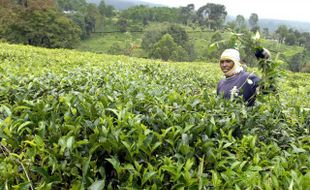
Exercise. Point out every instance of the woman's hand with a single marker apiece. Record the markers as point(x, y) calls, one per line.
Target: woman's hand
point(262, 53)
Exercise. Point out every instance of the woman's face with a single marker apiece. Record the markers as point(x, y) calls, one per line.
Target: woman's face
point(226, 65)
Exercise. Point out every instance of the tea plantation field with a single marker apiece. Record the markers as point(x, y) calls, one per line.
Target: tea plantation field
point(73, 120)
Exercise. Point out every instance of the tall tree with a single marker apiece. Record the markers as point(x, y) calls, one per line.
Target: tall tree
point(266, 33)
point(306, 40)
point(187, 14)
point(282, 32)
point(240, 23)
point(253, 22)
point(106, 10)
point(91, 16)
point(212, 15)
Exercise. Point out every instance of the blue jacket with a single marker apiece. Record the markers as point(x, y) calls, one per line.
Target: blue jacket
point(245, 83)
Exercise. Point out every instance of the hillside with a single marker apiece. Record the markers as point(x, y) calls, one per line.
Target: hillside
point(106, 43)
point(78, 120)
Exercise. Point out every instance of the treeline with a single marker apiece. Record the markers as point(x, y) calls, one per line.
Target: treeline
point(63, 23)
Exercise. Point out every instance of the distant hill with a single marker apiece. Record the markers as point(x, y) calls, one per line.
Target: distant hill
point(273, 24)
point(124, 4)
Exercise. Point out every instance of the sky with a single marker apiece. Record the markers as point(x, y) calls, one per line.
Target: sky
point(297, 10)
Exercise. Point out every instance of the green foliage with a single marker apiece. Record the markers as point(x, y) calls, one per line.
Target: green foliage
point(72, 120)
point(214, 47)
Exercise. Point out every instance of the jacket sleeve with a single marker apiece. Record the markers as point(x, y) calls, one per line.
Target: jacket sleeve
point(250, 88)
point(255, 83)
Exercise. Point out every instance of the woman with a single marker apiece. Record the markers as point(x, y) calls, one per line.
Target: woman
point(237, 82)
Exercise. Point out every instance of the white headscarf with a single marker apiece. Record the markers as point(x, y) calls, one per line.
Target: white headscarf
point(232, 54)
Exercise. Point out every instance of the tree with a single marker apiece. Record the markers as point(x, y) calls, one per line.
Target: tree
point(266, 33)
point(291, 39)
point(106, 10)
point(187, 14)
point(46, 28)
point(154, 33)
point(164, 48)
point(91, 17)
point(122, 24)
point(253, 22)
point(282, 32)
point(212, 15)
point(306, 40)
point(241, 23)
point(7, 16)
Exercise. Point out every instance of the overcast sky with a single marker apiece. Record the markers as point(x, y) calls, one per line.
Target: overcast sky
point(276, 9)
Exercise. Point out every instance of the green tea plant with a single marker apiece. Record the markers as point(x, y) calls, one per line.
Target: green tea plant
point(73, 120)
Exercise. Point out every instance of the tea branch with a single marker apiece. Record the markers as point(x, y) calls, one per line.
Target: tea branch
point(7, 152)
